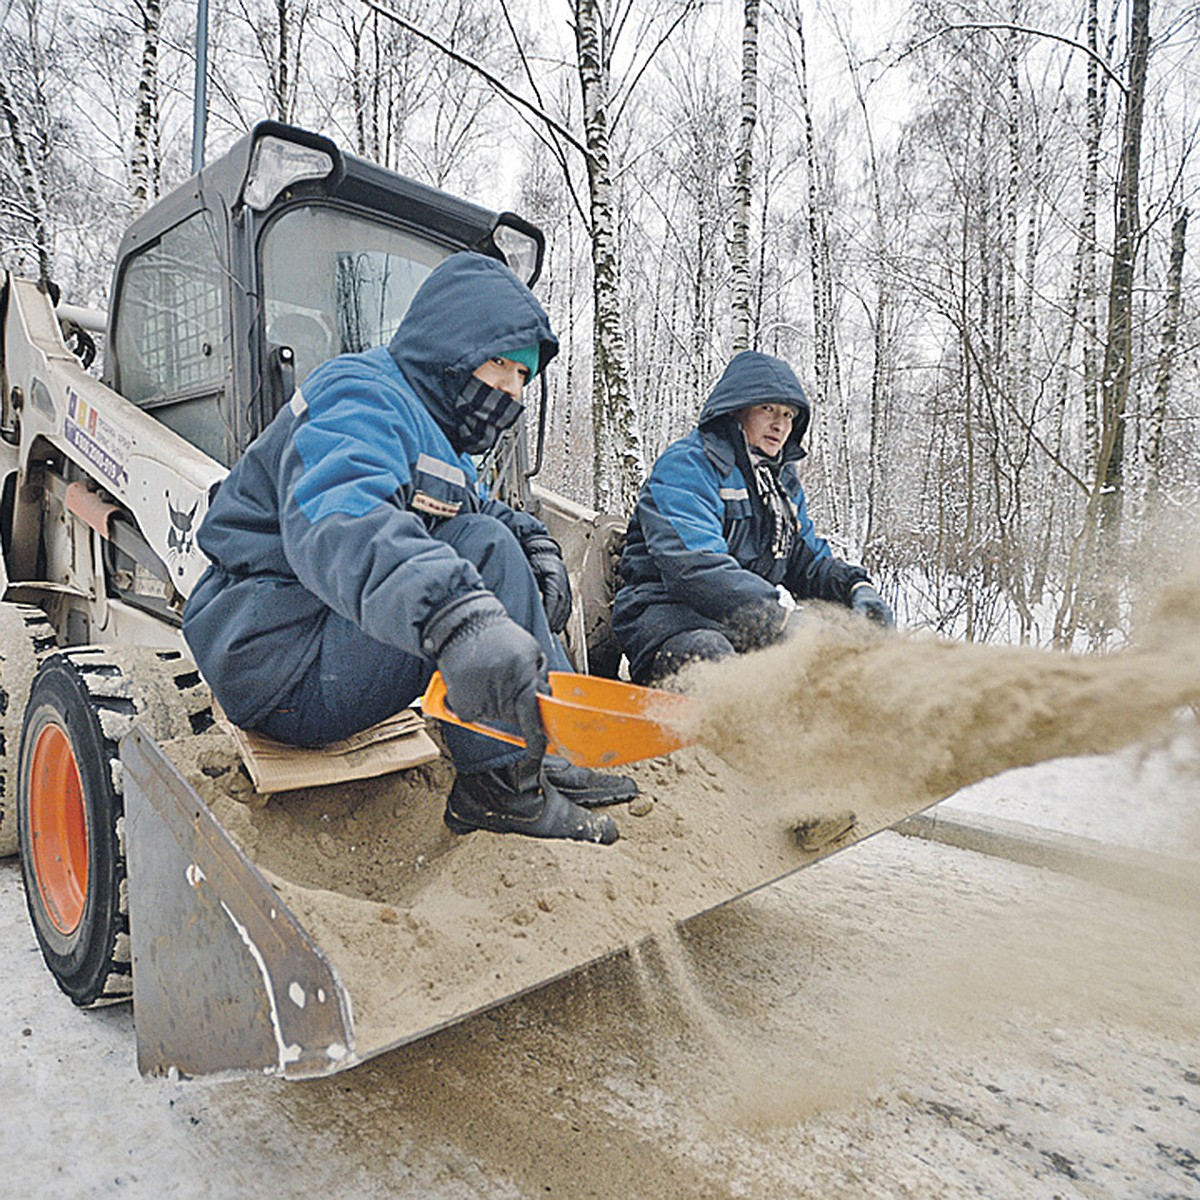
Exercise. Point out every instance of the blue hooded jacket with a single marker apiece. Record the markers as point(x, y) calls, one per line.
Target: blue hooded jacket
point(331, 508)
point(698, 549)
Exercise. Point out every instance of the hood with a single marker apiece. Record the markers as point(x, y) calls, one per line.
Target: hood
point(469, 309)
point(754, 378)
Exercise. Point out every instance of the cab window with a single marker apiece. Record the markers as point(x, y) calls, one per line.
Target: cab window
point(337, 283)
point(170, 334)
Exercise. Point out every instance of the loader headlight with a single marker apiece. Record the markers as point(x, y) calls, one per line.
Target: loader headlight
point(522, 246)
point(277, 164)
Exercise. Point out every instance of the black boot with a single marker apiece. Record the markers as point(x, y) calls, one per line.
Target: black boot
point(585, 787)
point(515, 799)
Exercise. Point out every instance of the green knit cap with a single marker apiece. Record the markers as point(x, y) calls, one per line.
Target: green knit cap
point(527, 356)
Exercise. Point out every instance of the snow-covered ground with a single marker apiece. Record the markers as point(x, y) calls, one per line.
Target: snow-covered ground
point(1141, 799)
point(904, 1019)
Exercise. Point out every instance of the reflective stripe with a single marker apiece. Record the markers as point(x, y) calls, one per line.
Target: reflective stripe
point(298, 404)
point(734, 494)
point(423, 502)
point(441, 470)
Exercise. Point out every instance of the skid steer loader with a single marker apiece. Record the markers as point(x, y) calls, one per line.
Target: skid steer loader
point(225, 294)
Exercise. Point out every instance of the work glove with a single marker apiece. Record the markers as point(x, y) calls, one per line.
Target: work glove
point(493, 668)
point(867, 602)
point(763, 622)
point(545, 557)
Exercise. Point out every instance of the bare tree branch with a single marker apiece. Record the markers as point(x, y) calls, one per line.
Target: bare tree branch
point(629, 87)
point(962, 26)
point(547, 138)
point(467, 61)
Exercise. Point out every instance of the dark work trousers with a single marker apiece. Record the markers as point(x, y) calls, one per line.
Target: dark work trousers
point(356, 681)
point(692, 645)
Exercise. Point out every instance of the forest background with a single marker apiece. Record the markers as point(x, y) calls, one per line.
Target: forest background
point(964, 225)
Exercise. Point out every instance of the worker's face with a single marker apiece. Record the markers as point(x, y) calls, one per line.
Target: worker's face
point(504, 375)
point(767, 426)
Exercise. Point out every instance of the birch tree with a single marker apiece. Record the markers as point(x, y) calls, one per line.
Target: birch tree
point(145, 160)
point(597, 26)
point(26, 80)
point(1118, 348)
point(1156, 441)
point(617, 439)
point(279, 37)
point(739, 246)
point(1091, 595)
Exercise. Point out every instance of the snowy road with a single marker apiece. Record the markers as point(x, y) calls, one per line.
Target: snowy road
point(905, 1019)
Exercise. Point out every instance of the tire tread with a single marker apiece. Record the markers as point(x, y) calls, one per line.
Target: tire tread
point(121, 686)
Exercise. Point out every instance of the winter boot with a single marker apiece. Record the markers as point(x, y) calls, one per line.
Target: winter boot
point(517, 799)
point(585, 787)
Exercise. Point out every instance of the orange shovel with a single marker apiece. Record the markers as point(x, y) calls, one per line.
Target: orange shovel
point(591, 722)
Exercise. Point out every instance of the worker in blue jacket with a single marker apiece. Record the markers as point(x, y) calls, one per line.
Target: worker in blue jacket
point(353, 549)
point(720, 545)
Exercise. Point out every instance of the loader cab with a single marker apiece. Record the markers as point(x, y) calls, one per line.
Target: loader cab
point(275, 257)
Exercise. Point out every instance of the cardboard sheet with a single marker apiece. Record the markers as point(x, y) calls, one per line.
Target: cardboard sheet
point(395, 744)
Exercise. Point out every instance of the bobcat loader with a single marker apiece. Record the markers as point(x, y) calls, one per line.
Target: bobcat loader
point(225, 294)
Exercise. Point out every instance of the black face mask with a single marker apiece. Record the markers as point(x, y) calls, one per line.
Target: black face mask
point(482, 414)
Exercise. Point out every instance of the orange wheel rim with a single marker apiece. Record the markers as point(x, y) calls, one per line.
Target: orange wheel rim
point(58, 822)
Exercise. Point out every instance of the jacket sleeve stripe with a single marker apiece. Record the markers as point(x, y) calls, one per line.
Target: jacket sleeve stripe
point(441, 470)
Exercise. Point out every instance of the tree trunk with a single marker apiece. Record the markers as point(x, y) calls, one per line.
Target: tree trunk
point(820, 316)
point(1070, 610)
point(880, 327)
point(739, 248)
point(617, 450)
point(279, 73)
point(1118, 350)
point(824, 349)
point(1166, 360)
point(31, 184)
point(1093, 567)
point(1087, 239)
point(145, 159)
point(967, 546)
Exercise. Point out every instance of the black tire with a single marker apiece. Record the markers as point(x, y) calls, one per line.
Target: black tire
point(70, 840)
point(83, 701)
point(26, 638)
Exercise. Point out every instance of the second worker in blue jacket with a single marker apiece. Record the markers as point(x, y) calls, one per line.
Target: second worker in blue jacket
point(354, 549)
point(720, 545)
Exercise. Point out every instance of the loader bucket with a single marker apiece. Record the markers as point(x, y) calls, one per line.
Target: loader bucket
point(225, 978)
point(244, 965)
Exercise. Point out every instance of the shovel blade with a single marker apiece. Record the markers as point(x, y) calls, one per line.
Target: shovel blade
point(590, 721)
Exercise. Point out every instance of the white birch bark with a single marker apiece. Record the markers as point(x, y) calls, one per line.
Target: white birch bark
point(36, 212)
point(739, 245)
point(1087, 240)
point(1156, 440)
point(146, 159)
point(617, 455)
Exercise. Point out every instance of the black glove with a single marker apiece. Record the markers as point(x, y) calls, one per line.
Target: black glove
point(493, 668)
point(867, 602)
point(545, 557)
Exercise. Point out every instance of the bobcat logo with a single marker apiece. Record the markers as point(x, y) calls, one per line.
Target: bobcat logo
point(181, 537)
